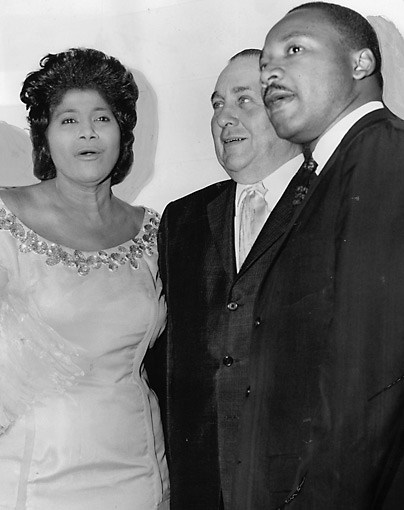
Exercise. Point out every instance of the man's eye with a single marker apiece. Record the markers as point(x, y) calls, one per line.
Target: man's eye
point(68, 121)
point(294, 49)
point(244, 99)
point(217, 104)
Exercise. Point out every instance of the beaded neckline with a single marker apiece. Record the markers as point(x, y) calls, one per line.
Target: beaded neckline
point(129, 252)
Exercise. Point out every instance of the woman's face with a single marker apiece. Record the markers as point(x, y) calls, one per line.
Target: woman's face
point(83, 137)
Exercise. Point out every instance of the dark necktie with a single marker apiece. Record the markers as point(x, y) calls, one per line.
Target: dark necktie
point(305, 176)
point(292, 197)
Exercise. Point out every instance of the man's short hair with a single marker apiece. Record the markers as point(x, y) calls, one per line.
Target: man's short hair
point(356, 31)
point(248, 52)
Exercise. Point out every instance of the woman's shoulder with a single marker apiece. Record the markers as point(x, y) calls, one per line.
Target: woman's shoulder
point(13, 202)
point(26, 204)
point(19, 199)
point(140, 214)
point(129, 209)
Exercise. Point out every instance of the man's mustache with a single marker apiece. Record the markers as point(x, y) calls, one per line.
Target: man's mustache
point(269, 90)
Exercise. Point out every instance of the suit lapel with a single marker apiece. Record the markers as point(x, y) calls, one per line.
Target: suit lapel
point(274, 228)
point(276, 224)
point(220, 213)
point(281, 219)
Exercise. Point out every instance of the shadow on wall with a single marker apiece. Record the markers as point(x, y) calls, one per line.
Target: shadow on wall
point(146, 132)
point(16, 149)
point(16, 156)
point(392, 47)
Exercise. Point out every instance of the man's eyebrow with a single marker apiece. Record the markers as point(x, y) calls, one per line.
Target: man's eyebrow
point(215, 93)
point(241, 88)
point(284, 39)
point(235, 90)
point(295, 33)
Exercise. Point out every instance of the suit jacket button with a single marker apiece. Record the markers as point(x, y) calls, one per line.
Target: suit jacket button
point(257, 322)
point(232, 306)
point(228, 361)
point(248, 391)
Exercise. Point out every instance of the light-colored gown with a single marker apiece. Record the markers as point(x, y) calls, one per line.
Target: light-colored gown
point(79, 425)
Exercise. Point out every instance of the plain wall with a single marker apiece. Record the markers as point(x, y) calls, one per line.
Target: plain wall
point(176, 49)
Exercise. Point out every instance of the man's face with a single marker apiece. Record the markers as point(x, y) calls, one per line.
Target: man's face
point(306, 75)
point(242, 133)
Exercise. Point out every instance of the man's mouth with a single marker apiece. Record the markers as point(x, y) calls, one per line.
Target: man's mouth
point(274, 97)
point(233, 139)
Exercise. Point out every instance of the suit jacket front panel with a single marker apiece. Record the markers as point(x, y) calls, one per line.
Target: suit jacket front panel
point(205, 396)
point(330, 336)
point(190, 417)
point(284, 359)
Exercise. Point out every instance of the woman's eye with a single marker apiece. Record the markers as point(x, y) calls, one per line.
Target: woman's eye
point(68, 121)
point(103, 118)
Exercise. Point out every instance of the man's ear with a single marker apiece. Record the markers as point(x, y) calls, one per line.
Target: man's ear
point(364, 63)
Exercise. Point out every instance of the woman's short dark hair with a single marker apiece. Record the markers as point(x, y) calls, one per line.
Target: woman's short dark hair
point(83, 69)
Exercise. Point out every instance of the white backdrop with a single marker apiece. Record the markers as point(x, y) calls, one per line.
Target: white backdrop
point(176, 49)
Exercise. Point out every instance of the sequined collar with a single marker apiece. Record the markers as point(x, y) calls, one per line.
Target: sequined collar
point(130, 252)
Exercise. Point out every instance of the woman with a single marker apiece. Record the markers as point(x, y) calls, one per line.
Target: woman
point(80, 303)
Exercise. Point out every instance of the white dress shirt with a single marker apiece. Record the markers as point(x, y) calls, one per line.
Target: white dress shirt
point(275, 183)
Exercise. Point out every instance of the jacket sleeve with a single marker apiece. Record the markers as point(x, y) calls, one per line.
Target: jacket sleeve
point(357, 434)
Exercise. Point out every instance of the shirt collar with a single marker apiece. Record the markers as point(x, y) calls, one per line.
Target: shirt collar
point(275, 183)
point(332, 138)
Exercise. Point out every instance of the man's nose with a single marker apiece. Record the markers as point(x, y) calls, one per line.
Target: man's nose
point(227, 117)
point(269, 74)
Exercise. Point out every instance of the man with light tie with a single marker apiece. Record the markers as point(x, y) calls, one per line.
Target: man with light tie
point(211, 274)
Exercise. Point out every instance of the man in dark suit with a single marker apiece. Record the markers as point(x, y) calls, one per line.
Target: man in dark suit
point(210, 291)
point(323, 426)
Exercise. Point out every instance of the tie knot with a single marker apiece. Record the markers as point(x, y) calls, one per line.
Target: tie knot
point(307, 153)
point(256, 187)
point(309, 162)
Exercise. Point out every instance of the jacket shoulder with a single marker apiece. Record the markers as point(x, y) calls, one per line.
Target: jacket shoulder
point(198, 199)
point(377, 121)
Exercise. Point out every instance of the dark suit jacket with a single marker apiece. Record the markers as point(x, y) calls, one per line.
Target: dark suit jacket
point(207, 342)
point(326, 368)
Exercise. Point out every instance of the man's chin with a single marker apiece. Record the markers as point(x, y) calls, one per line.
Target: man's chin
point(242, 175)
point(233, 174)
point(284, 129)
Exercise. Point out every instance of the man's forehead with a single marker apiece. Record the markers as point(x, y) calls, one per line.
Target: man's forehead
point(303, 22)
point(240, 72)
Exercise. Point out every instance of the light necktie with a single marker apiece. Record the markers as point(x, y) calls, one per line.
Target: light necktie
point(253, 214)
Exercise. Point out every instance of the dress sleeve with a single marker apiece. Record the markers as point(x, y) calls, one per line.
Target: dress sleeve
point(35, 361)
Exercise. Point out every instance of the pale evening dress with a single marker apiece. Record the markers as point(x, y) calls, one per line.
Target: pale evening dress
point(79, 425)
